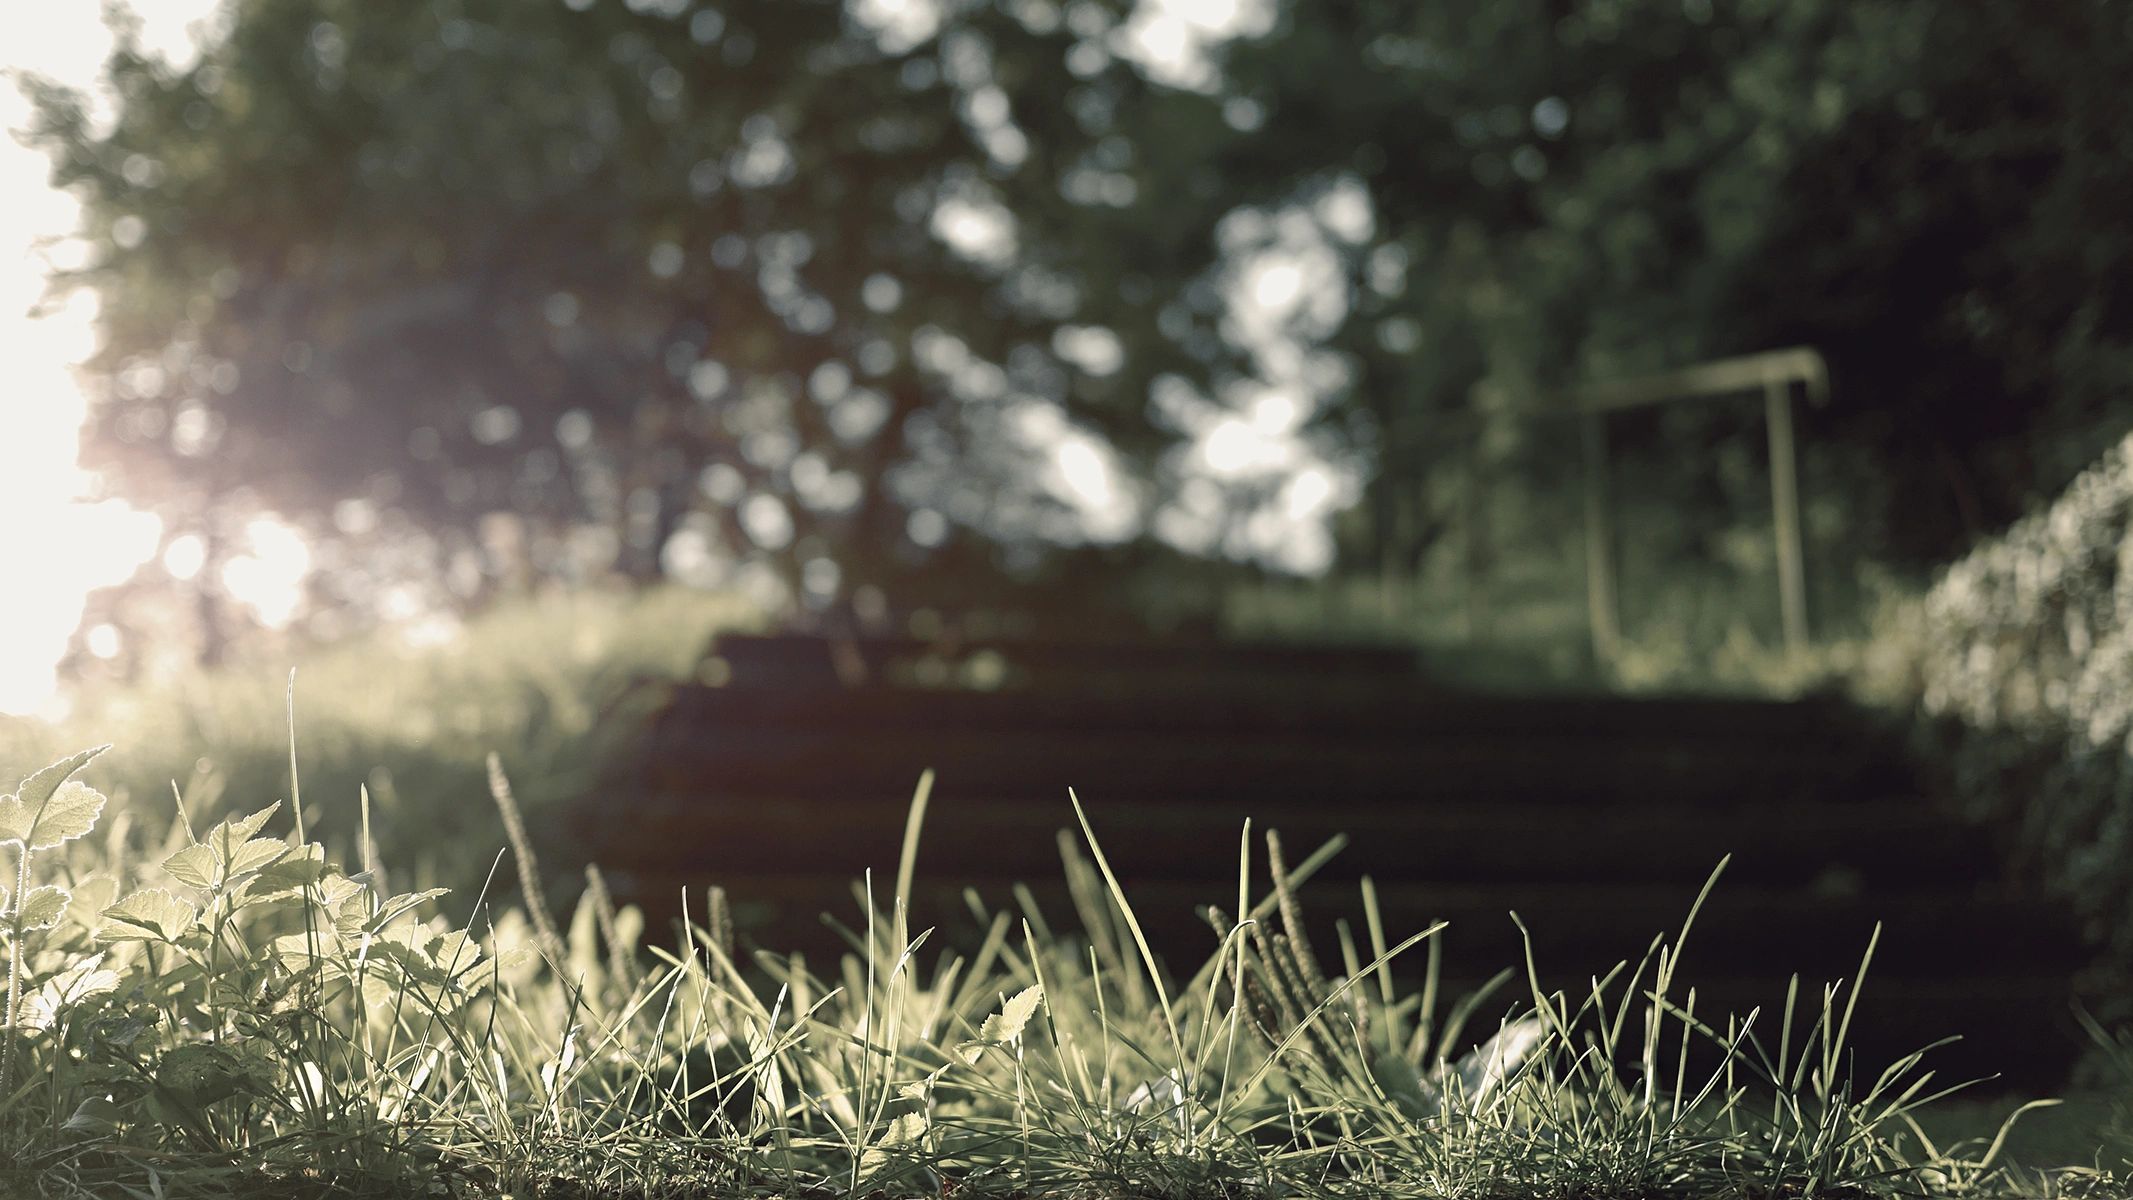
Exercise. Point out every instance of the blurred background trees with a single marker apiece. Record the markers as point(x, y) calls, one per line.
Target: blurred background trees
point(481, 294)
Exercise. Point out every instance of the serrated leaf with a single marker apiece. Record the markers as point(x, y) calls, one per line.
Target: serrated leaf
point(391, 910)
point(455, 953)
point(257, 854)
point(242, 829)
point(42, 907)
point(193, 866)
point(30, 797)
point(151, 914)
point(50, 817)
point(299, 950)
point(303, 868)
point(1007, 1024)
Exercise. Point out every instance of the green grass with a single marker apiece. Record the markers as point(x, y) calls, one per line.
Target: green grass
point(1690, 629)
point(218, 1008)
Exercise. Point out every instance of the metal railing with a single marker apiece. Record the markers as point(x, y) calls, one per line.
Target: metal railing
point(1774, 374)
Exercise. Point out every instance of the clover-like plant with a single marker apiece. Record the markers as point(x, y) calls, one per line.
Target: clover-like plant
point(47, 809)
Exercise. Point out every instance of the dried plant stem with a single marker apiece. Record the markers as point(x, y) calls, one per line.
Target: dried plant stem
point(529, 868)
point(603, 901)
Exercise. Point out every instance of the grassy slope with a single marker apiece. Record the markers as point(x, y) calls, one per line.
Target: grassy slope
point(527, 682)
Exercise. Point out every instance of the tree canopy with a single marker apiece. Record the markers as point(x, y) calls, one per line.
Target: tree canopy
point(762, 272)
point(798, 281)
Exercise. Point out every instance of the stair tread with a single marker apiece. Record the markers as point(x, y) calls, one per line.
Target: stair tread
point(1441, 840)
point(1594, 817)
point(1225, 704)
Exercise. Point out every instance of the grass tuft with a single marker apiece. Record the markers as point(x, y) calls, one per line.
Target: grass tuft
point(223, 1011)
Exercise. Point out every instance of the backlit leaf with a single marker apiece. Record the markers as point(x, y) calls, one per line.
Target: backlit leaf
point(243, 828)
point(19, 811)
point(1007, 1024)
point(44, 820)
point(42, 907)
point(257, 854)
point(305, 867)
point(193, 866)
point(391, 910)
point(151, 914)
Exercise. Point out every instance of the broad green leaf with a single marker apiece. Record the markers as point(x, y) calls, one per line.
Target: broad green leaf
point(455, 953)
point(299, 950)
point(193, 866)
point(42, 907)
point(42, 785)
point(305, 867)
point(241, 829)
point(1007, 1024)
point(256, 854)
point(151, 914)
point(51, 816)
point(392, 909)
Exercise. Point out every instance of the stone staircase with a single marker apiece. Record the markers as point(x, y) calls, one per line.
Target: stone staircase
point(1595, 818)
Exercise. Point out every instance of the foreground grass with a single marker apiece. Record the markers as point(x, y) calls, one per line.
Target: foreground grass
point(217, 1009)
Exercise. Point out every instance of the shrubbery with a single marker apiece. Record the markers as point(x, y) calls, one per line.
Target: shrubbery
point(2022, 654)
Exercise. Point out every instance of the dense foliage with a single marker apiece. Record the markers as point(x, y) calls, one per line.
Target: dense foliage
point(1568, 191)
point(2025, 653)
point(553, 284)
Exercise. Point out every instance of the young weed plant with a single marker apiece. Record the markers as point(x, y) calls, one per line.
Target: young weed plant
point(224, 1011)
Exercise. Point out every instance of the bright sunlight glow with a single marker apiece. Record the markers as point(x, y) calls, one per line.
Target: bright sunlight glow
point(269, 577)
point(54, 547)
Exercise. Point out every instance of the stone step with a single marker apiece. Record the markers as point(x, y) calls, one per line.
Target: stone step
point(1596, 818)
point(1221, 707)
point(798, 660)
point(1833, 845)
point(1155, 766)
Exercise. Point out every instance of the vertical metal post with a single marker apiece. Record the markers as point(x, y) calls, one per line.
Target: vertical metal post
point(1470, 533)
point(1785, 514)
point(1599, 543)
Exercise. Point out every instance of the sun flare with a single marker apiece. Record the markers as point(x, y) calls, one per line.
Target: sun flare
point(55, 546)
